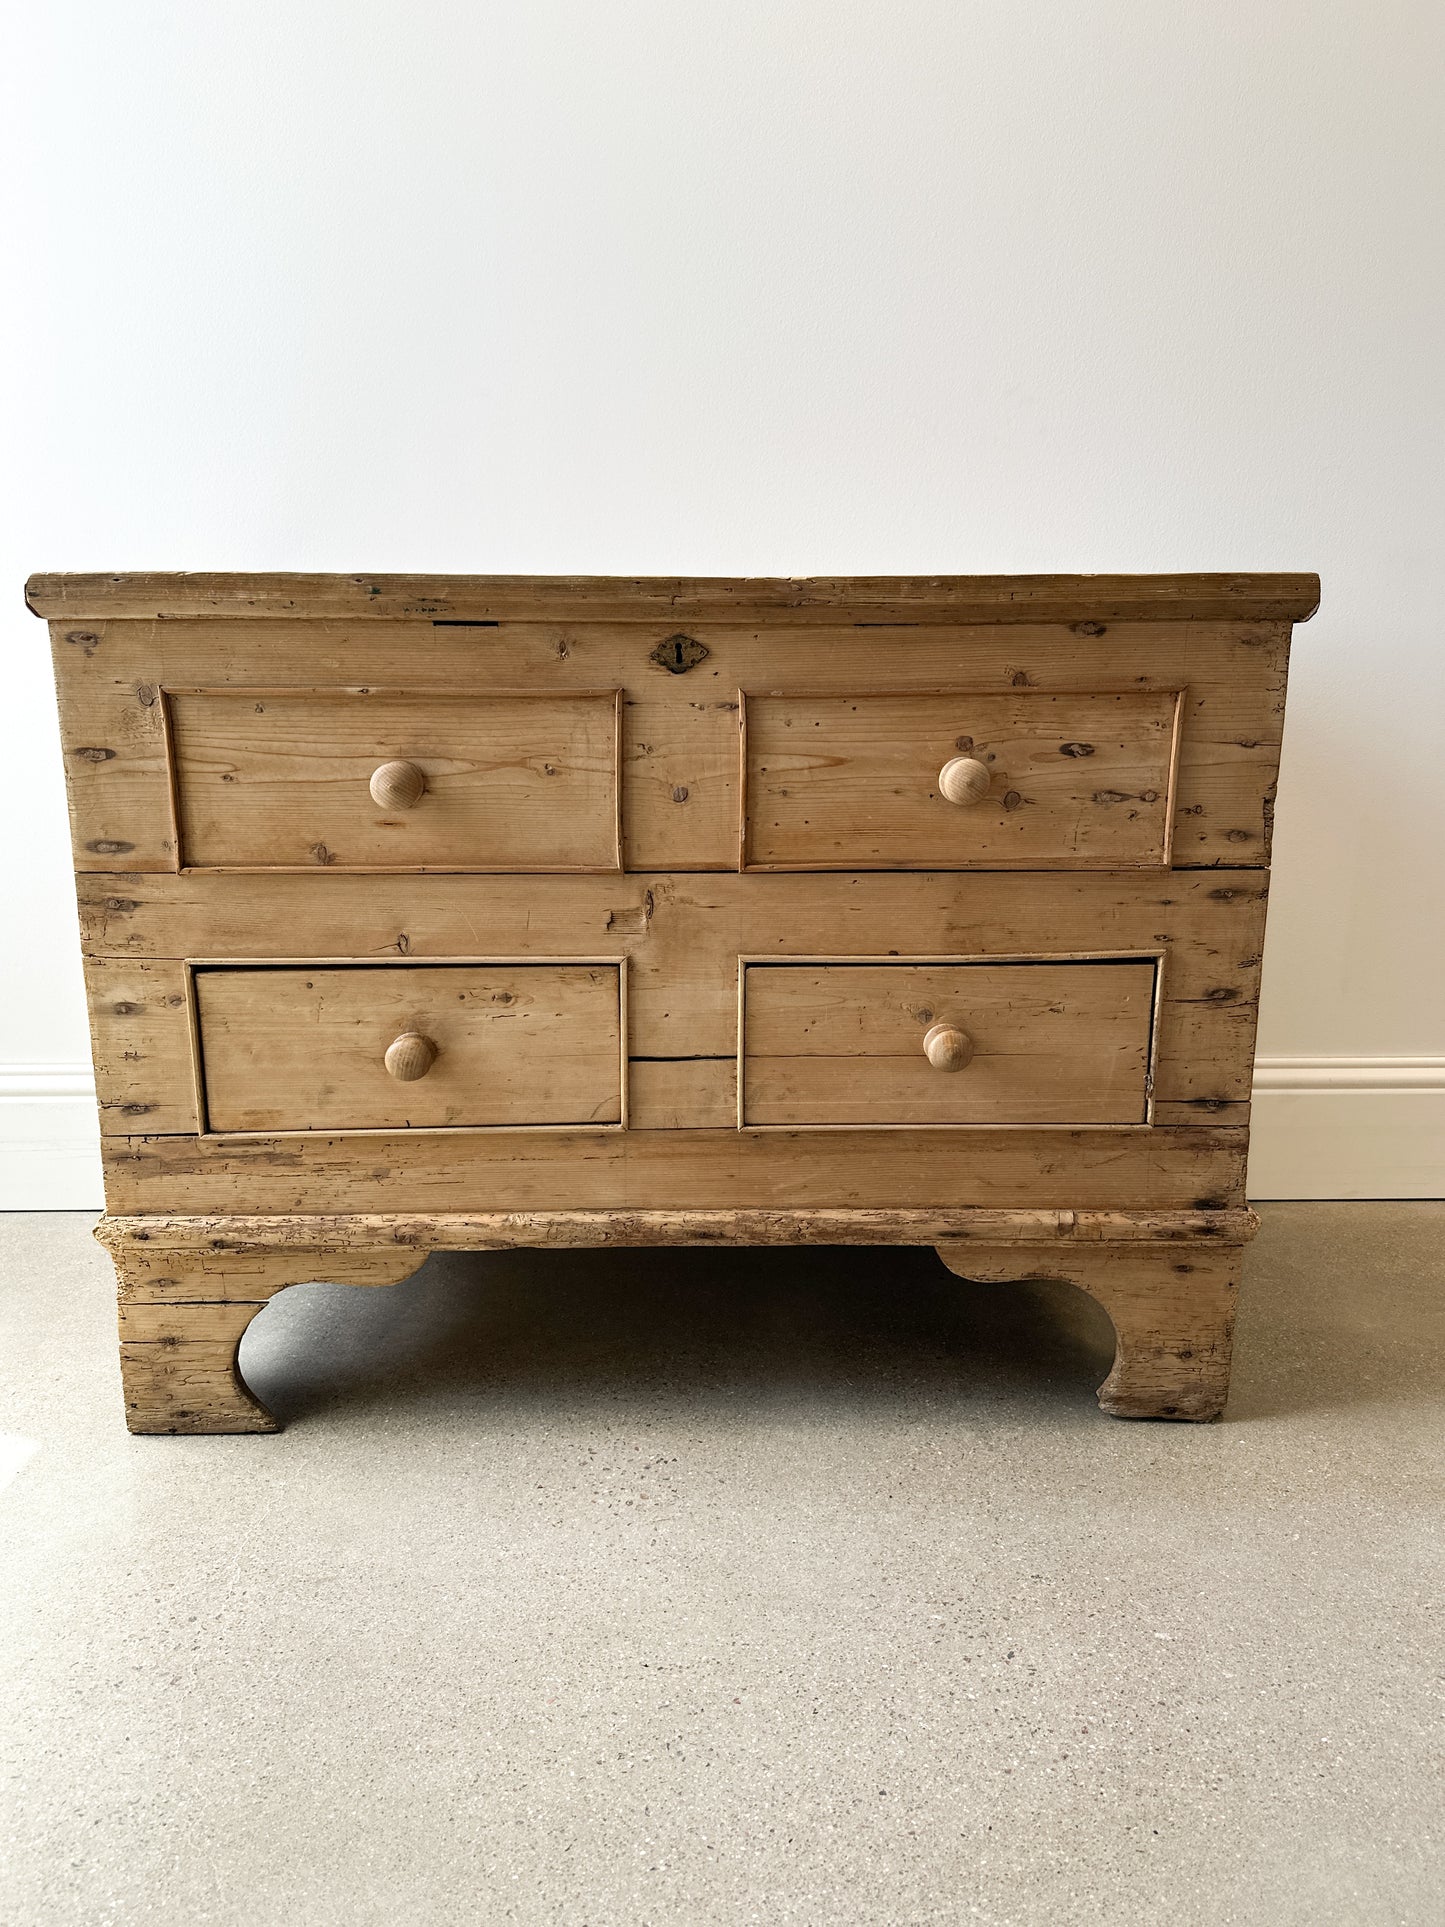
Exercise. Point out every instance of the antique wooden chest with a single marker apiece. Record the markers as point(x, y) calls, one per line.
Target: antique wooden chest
point(456, 913)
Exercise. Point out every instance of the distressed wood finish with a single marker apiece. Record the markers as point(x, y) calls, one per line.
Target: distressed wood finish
point(681, 765)
point(426, 913)
point(189, 1289)
point(288, 779)
point(838, 1043)
point(1172, 1312)
point(1076, 781)
point(1186, 1168)
point(184, 1310)
point(505, 1230)
point(681, 937)
point(490, 1045)
point(938, 598)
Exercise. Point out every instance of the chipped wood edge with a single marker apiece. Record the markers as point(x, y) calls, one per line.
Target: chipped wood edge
point(188, 1288)
point(1291, 597)
point(183, 1311)
point(1172, 1311)
point(503, 1230)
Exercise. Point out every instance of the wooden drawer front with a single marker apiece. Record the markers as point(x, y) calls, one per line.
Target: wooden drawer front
point(305, 1049)
point(852, 782)
point(844, 1043)
point(281, 779)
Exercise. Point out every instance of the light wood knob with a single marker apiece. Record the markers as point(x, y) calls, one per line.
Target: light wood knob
point(947, 1047)
point(963, 779)
point(398, 786)
point(410, 1057)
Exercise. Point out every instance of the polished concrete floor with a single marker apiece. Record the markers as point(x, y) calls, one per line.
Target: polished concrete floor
point(679, 1587)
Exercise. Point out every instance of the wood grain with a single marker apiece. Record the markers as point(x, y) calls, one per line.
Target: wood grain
point(680, 599)
point(184, 1312)
point(190, 1288)
point(1192, 1169)
point(682, 937)
point(680, 733)
point(1172, 1311)
point(350, 860)
point(270, 779)
point(373, 1234)
point(1079, 781)
point(142, 1044)
point(306, 1050)
point(844, 1043)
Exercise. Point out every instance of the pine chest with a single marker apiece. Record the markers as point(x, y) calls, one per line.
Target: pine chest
point(433, 913)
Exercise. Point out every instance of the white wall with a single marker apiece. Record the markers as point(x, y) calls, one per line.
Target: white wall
point(767, 288)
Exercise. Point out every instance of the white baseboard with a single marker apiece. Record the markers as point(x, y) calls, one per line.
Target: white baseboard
point(49, 1144)
point(1324, 1127)
point(1348, 1127)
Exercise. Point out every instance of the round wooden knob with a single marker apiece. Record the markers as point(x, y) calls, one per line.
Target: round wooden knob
point(410, 1057)
point(398, 786)
point(947, 1047)
point(964, 780)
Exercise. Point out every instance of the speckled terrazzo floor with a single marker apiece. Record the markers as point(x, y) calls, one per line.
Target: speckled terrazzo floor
point(680, 1587)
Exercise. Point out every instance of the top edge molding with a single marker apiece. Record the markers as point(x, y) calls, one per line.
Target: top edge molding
point(668, 599)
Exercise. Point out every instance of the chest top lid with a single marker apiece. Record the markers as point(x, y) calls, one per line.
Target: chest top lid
point(558, 598)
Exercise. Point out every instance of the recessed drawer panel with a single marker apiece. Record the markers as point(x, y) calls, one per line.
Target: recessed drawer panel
point(392, 1046)
point(828, 1043)
point(952, 781)
point(391, 780)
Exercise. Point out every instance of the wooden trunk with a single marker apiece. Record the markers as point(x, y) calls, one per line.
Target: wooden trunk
point(456, 913)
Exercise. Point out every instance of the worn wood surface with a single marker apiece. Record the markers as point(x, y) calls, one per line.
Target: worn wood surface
point(681, 787)
point(513, 1044)
point(682, 937)
point(1172, 1312)
point(371, 1233)
point(245, 754)
point(1192, 1169)
point(142, 1039)
point(276, 779)
point(830, 1043)
point(189, 1289)
point(1006, 598)
point(183, 1312)
point(1078, 780)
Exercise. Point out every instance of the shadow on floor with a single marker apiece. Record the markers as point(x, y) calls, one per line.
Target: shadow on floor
point(1343, 1305)
point(756, 1331)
